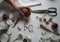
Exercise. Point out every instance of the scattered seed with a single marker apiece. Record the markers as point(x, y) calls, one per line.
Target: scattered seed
point(24, 29)
point(44, 19)
point(45, 32)
point(24, 40)
point(40, 19)
point(19, 28)
point(36, 17)
point(47, 23)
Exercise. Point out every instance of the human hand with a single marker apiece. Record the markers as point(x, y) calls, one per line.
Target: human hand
point(24, 11)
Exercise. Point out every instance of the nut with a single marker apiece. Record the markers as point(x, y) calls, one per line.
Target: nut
point(54, 25)
point(5, 16)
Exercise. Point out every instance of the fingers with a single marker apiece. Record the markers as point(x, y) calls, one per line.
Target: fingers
point(24, 7)
point(21, 13)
